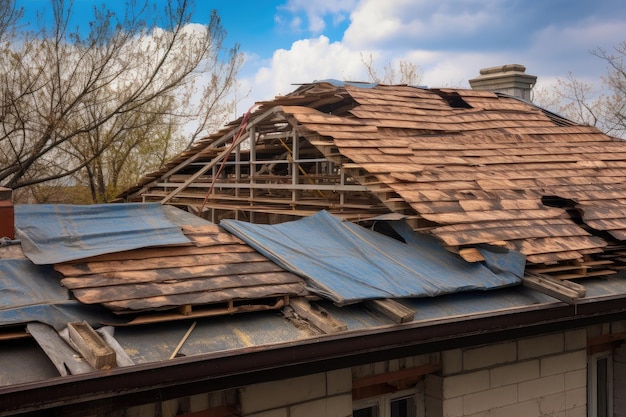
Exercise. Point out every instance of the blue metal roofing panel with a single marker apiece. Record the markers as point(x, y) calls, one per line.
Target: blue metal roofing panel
point(32, 293)
point(59, 233)
point(345, 262)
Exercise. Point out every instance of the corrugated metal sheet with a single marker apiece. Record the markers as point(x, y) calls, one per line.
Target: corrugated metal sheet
point(346, 262)
point(57, 233)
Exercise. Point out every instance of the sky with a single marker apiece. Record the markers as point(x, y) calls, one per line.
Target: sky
point(289, 42)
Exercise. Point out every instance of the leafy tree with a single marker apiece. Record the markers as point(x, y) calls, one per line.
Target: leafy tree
point(89, 107)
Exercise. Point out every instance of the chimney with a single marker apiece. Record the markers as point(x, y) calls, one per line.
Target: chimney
point(7, 223)
point(509, 79)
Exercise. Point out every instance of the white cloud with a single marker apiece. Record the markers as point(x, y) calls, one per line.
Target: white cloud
point(307, 60)
point(449, 40)
point(376, 23)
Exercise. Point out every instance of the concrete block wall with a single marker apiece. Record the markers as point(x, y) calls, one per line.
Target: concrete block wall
point(537, 376)
point(323, 394)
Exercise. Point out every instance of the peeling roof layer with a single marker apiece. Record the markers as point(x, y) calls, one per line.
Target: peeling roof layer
point(347, 263)
point(472, 167)
point(216, 271)
point(61, 232)
point(483, 173)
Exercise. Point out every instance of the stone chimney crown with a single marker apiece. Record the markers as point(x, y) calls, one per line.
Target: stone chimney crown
point(508, 79)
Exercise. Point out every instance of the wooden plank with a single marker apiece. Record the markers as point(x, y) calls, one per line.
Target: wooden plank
point(395, 376)
point(471, 255)
point(392, 309)
point(317, 315)
point(495, 215)
point(553, 257)
point(91, 346)
point(159, 252)
point(587, 274)
point(182, 341)
point(168, 274)
point(206, 297)
point(242, 283)
point(453, 235)
point(568, 292)
point(560, 244)
point(156, 262)
point(210, 311)
point(12, 333)
point(238, 136)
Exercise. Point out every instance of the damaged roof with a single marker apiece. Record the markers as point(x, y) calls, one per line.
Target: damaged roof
point(469, 167)
point(152, 304)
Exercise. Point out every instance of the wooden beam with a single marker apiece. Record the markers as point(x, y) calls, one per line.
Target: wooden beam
point(392, 309)
point(91, 346)
point(199, 154)
point(395, 376)
point(318, 316)
point(566, 291)
point(471, 255)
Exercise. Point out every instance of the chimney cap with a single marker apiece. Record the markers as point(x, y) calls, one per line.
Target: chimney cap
point(508, 79)
point(502, 69)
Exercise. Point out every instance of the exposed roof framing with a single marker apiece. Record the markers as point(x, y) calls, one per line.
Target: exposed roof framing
point(470, 167)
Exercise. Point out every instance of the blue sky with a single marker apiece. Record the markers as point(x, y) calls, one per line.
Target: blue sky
point(297, 41)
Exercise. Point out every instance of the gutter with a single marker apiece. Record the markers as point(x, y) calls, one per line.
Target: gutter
point(180, 377)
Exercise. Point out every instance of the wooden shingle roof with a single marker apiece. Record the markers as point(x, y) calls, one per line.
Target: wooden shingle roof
point(217, 274)
point(472, 167)
point(497, 170)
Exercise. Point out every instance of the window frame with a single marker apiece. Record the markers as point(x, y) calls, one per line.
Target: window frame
point(383, 402)
point(592, 383)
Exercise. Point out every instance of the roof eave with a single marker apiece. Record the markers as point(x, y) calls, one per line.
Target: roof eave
point(151, 382)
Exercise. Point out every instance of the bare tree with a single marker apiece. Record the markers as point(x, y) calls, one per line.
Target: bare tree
point(614, 109)
point(603, 105)
point(83, 104)
point(10, 14)
point(402, 72)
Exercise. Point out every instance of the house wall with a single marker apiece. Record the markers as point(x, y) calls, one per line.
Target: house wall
point(538, 376)
point(535, 376)
point(323, 394)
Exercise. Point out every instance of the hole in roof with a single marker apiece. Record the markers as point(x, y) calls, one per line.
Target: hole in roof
point(565, 203)
point(384, 228)
point(454, 99)
point(556, 201)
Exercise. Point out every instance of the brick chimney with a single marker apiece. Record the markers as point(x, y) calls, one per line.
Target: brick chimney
point(509, 79)
point(7, 215)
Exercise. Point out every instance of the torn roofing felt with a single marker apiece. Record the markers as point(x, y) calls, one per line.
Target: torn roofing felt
point(32, 293)
point(58, 233)
point(346, 263)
